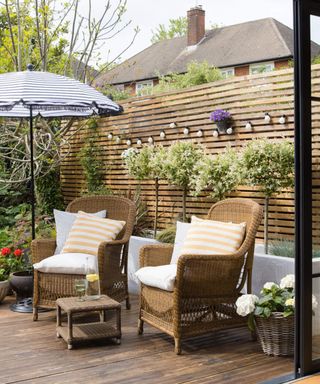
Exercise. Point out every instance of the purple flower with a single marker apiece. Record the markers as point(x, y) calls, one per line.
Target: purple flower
point(219, 115)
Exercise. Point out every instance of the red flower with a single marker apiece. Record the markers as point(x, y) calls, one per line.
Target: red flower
point(18, 252)
point(5, 251)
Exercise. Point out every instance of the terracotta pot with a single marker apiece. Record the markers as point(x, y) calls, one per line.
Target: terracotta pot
point(4, 289)
point(22, 284)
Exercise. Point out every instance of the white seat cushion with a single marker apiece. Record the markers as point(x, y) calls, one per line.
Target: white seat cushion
point(68, 263)
point(162, 277)
point(64, 221)
point(181, 234)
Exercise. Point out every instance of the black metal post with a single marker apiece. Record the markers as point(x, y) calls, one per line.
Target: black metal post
point(32, 188)
point(303, 189)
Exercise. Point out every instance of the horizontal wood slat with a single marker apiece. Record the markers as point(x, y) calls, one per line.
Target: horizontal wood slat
point(246, 98)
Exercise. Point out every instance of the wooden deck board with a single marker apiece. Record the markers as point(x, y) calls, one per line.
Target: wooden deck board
point(31, 353)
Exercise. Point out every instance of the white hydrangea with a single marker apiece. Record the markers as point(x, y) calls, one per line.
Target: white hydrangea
point(269, 285)
point(290, 302)
point(246, 304)
point(314, 303)
point(287, 282)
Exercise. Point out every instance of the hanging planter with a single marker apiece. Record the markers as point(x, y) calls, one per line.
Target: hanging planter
point(222, 119)
point(222, 125)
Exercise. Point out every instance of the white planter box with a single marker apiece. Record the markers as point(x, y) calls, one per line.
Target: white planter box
point(135, 244)
point(273, 268)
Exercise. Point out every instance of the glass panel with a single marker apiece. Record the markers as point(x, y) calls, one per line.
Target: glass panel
point(315, 76)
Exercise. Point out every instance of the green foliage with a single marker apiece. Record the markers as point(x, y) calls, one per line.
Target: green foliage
point(220, 173)
point(90, 160)
point(180, 164)
point(177, 27)
point(142, 222)
point(286, 248)
point(146, 163)
point(28, 40)
point(197, 73)
point(274, 300)
point(167, 235)
point(49, 194)
point(116, 94)
point(269, 165)
point(316, 60)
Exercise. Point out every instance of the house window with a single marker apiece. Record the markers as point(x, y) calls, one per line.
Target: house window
point(227, 72)
point(144, 88)
point(119, 87)
point(261, 68)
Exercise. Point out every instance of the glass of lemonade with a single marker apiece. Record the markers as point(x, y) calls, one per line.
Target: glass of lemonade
point(80, 288)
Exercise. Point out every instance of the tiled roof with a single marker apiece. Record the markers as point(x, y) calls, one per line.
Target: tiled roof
point(250, 42)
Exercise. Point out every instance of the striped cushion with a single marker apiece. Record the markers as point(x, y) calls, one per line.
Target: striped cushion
point(209, 237)
point(89, 231)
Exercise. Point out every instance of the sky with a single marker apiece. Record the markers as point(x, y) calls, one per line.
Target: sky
point(148, 14)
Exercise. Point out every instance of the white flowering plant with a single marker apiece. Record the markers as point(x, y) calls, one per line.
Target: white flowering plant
point(274, 298)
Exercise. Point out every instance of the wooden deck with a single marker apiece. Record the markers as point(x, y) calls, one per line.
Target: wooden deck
point(31, 353)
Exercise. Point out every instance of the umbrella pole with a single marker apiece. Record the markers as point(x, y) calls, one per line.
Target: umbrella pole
point(33, 224)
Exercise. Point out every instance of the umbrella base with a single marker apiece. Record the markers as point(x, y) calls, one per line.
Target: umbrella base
point(25, 306)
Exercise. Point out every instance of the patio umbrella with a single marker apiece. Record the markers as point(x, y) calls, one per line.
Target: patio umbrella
point(31, 93)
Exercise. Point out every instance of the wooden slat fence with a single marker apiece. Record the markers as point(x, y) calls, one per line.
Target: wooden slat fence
point(246, 98)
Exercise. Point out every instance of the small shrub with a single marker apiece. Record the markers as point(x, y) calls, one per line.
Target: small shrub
point(197, 73)
point(90, 160)
point(220, 173)
point(167, 235)
point(286, 248)
point(49, 194)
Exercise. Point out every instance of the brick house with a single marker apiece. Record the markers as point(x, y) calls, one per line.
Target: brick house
point(241, 49)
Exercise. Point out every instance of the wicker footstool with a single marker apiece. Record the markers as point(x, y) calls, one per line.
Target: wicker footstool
point(73, 333)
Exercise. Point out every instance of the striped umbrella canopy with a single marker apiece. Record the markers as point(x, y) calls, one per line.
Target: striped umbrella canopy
point(44, 91)
point(31, 93)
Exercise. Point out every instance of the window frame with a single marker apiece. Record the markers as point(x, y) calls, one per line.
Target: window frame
point(252, 67)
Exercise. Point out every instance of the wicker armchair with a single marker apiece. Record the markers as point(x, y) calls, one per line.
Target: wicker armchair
point(112, 256)
point(206, 287)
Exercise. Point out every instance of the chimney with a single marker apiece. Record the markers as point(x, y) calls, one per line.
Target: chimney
point(196, 25)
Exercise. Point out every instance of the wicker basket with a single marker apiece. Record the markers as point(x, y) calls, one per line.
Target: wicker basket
point(276, 334)
point(4, 289)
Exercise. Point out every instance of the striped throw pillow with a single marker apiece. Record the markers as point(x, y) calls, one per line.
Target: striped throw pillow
point(209, 237)
point(89, 231)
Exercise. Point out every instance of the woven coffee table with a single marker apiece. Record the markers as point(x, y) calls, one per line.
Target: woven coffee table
point(73, 333)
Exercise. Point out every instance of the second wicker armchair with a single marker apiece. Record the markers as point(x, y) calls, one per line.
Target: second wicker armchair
point(112, 256)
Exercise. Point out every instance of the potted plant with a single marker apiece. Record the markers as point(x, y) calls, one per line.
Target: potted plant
point(19, 272)
point(272, 315)
point(269, 166)
point(146, 164)
point(222, 119)
point(180, 167)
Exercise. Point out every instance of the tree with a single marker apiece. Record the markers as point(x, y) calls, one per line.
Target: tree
point(220, 173)
point(55, 37)
point(270, 166)
point(147, 164)
point(177, 27)
point(180, 165)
